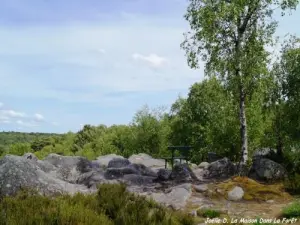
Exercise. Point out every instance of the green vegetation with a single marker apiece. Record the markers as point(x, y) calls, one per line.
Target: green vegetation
point(111, 205)
point(208, 213)
point(292, 211)
point(248, 99)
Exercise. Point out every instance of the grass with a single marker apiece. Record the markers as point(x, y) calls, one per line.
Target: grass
point(208, 213)
point(111, 205)
point(292, 211)
point(254, 190)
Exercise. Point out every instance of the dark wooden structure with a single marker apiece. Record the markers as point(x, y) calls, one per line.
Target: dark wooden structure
point(184, 154)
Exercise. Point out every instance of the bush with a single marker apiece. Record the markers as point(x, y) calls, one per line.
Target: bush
point(208, 213)
point(112, 204)
point(292, 210)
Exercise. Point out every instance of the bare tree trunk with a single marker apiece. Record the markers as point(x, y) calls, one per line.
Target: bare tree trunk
point(243, 124)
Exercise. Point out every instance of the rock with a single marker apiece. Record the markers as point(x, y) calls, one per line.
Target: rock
point(134, 179)
point(163, 174)
point(201, 188)
point(220, 169)
point(104, 160)
point(142, 170)
point(68, 168)
point(203, 165)
point(63, 161)
point(182, 173)
point(264, 169)
point(91, 178)
point(146, 160)
point(18, 172)
point(236, 194)
point(267, 153)
point(177, 198)
point(270, 201)
point(212, 157)
point(118, 163)
point(193, 166)
point(116, 173)
point(30, 156)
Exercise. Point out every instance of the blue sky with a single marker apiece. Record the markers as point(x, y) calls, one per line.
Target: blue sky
point(68, 63)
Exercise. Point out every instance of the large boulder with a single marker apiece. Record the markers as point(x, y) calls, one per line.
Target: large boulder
point(18, 172)
point(105, 159)
point(118, 163)
point(177, 198)
point(116, 173)
point(203, 165)
point(163, 175)
point(267, 153)
point(142, 170)
point(137, 169)
point(146, 160)
point(212, 157)
point(182, 173)
point(264, 169)
point(68, 168)
point(221, 168)
point(135, 179)
point(91, 178)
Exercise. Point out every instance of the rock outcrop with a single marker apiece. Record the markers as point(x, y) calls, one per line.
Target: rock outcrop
point(221, 168)
point(264, 169)
point(18, 172)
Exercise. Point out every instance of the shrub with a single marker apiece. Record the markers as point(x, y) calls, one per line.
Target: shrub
point(292, 210)
point(210, 213)
point(111, 205)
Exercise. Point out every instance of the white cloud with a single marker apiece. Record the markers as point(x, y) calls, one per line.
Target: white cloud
point(55, 123)
point(39, 117)
point(26, 124)
point(11, 114)
point(153, 59)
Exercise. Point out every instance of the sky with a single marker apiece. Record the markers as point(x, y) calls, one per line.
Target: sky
point(73, 62)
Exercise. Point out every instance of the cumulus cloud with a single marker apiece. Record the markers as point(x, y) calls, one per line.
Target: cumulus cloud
point(153, 59)
point(55, 123)
point(8, 113)
point(26, 124)
point(38, 117)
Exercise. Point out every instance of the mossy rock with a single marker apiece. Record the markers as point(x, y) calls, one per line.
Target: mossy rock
point(255, 191)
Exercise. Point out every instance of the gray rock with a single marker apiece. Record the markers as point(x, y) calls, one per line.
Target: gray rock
point(18, 172)
point(267, 153)
point(62, 161)
point(163, 174)
point(266, 170)
point(91, 178)
point(203, 165)
point(220, 169)
point(212, 157)
point(142, 170)
point(30, 156)
point(201, 188)
point(104, 160)
point(134, 179)
point(146, 160)
point(118, 163)
point(177, 198)
point(236, 194)
point(116, 173)
point(182, 173)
